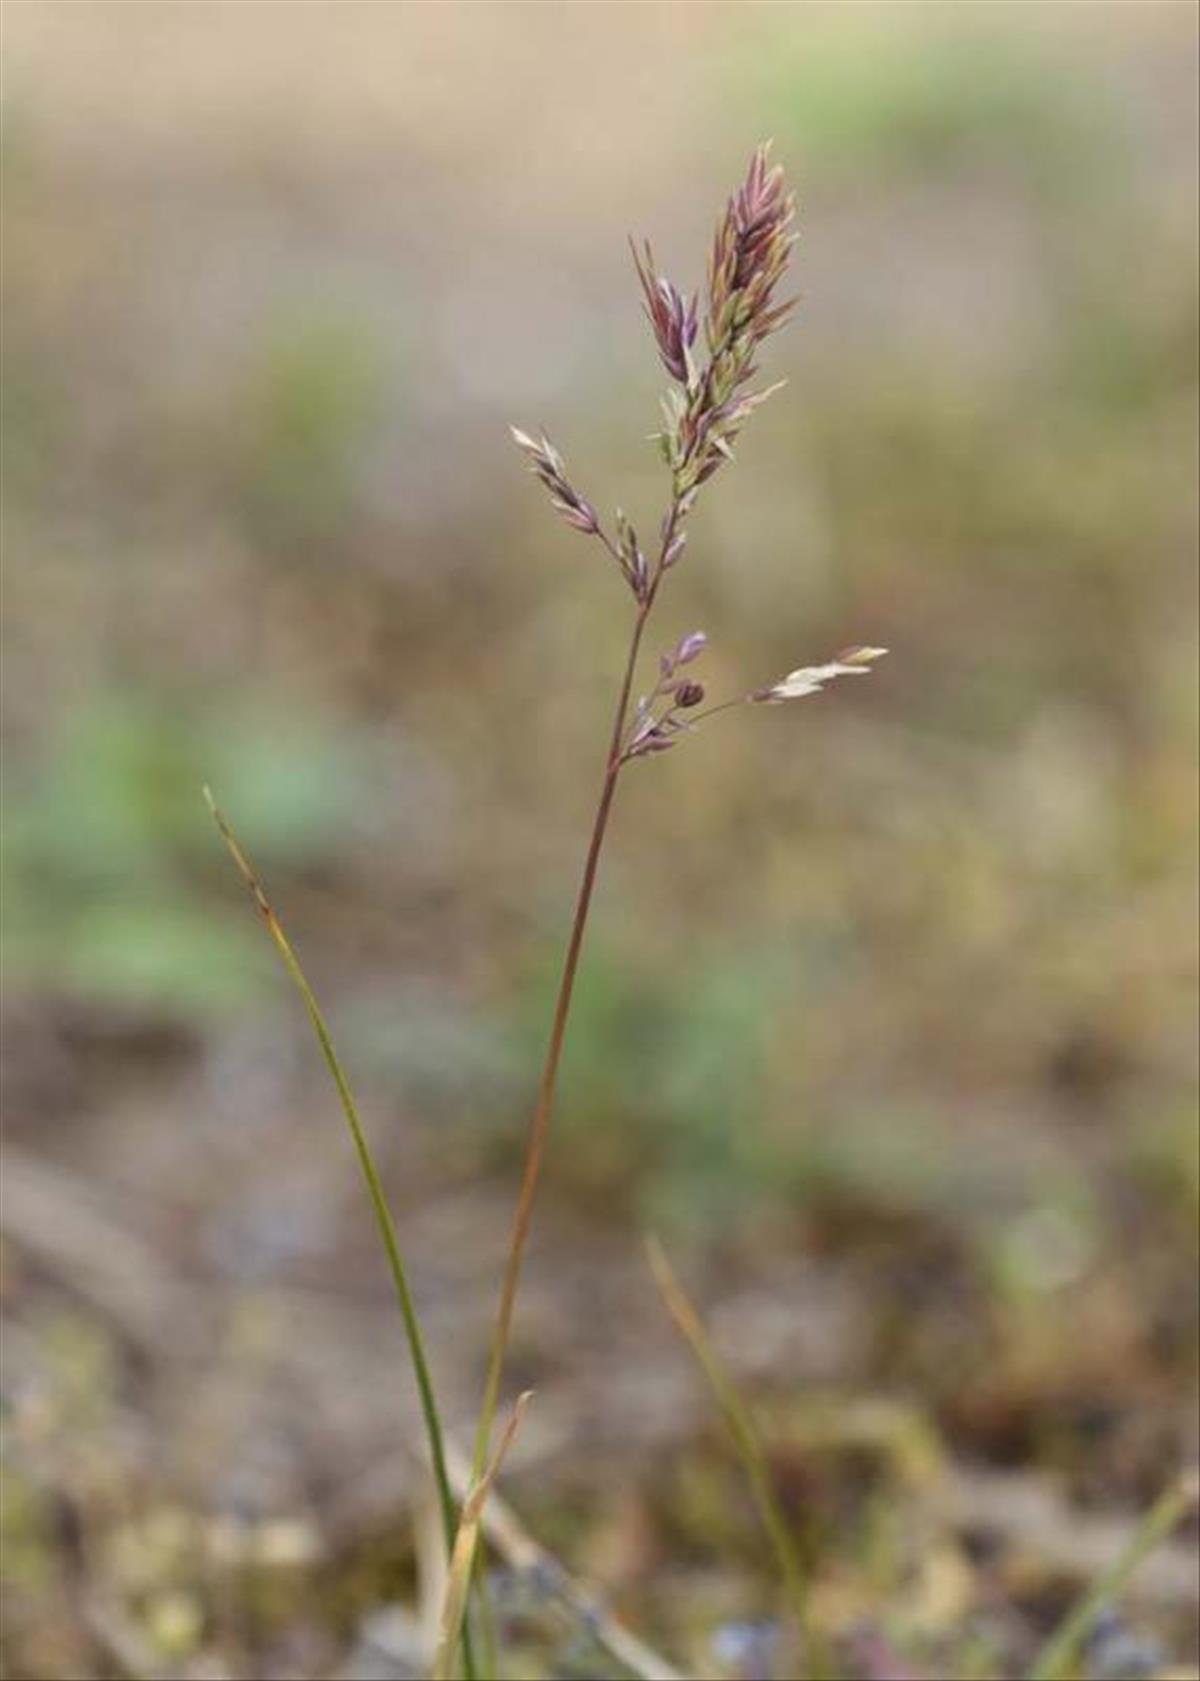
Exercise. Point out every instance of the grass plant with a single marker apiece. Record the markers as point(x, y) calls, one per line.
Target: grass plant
point(711, 396)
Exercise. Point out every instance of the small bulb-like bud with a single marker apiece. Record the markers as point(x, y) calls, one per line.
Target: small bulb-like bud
point(689, 694)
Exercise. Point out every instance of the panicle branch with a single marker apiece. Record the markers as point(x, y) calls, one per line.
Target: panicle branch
point(654, 731)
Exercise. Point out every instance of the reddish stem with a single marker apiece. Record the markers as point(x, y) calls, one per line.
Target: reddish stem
point(540, 1122)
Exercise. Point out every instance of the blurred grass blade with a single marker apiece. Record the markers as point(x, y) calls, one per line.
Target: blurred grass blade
point(1061, 1650)
point(740, 1425)
point(387, 1229)
point(458, 1584)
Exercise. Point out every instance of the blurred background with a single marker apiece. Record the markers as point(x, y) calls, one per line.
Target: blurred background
point(888, 1016)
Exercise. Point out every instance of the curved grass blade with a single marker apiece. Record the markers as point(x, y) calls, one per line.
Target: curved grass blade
point(738, 1422)
point(1061, 1650)
point(387, 1230)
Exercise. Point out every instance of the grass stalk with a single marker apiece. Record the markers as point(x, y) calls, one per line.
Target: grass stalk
point(738, 1422)
point(540, 1124)
point(387, 1230)
point(1059, 1653)
point(535, 1147)
point(462, 1554)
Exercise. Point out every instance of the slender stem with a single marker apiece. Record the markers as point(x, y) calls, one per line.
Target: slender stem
point(721, 706)
point(1062, 1649)
point(740, 1424)
point(540, 1122)
point(383, 1217)
point(452, 1622)
point(582, 1610)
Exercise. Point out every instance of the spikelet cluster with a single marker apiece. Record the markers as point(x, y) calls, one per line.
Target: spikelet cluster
point(750, 254)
